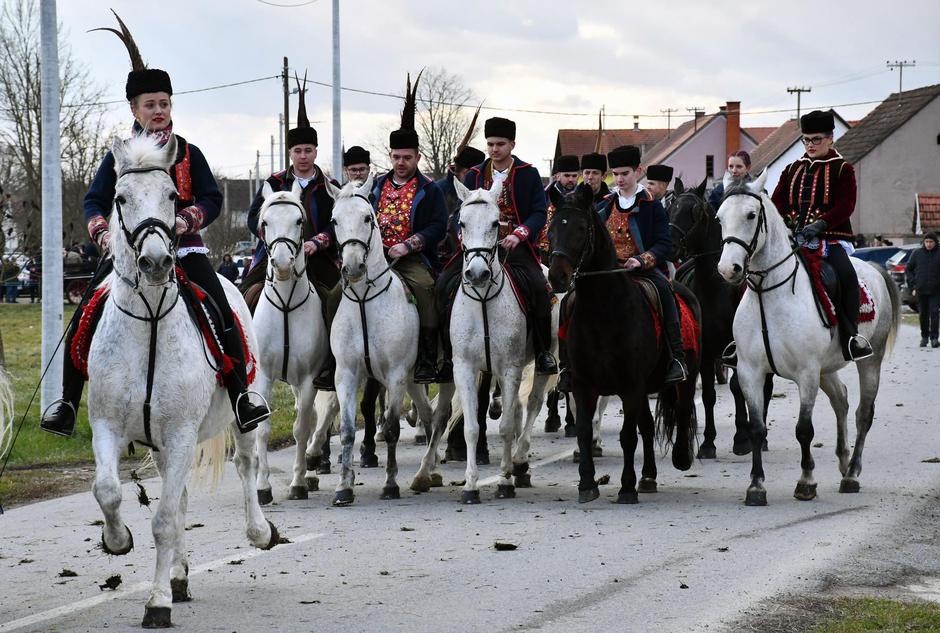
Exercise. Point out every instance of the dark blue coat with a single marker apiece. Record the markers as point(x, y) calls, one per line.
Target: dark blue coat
point(528, 195)
point(205, 192)
point(649, 227)
point(428, 214)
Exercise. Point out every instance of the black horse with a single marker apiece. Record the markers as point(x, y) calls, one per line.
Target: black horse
point(696, 239)
point(613, 349)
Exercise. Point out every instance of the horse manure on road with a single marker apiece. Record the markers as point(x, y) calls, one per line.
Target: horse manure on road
point(501, 546)
point(67, 573)
point(112, 583)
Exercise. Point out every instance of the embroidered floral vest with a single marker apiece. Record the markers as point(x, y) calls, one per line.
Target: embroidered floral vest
point(508, 218)
point(618, 225)
point(395, 211)
point(544, 244)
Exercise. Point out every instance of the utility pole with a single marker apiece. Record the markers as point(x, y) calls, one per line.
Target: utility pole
point(286, 125)
point(337, 123)
point(696, 113)
point(668, 112)
point(280, 134)
point(273, 168)
point(51, 204)
point(251, 188)
point(799, 91)
point(901, 65)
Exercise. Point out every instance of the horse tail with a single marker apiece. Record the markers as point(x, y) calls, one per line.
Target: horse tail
point(665, 416)
point(6, 411)
point(895, 295)
point(211, 456)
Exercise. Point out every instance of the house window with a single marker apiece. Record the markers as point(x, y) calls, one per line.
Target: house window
point(709, 166)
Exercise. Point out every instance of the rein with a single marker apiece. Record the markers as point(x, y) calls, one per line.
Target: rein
point(489, 256)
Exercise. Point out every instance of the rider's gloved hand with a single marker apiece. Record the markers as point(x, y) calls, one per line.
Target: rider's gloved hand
point(812, 231)
point(103, 239)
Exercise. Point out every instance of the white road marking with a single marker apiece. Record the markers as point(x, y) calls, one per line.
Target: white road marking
point(94, 601)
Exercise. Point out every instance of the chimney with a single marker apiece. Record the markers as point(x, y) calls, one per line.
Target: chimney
point(636, 122)
point(732, 127)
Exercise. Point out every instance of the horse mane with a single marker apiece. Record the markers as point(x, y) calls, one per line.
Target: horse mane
point(143, 150)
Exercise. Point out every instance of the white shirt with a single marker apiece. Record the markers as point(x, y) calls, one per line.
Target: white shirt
point(626, 203)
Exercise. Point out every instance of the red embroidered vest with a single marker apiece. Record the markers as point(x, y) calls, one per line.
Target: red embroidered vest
point(395, 211)
point(508, 218)
point(618, 225)
point(809, 191)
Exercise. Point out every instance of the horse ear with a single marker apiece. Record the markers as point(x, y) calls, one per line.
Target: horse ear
point(679, 186)
point(266, 190)
point(117, 150)
point(700, 190)
point(584, 196)
point(332, 189)
point(556, 197)
point(758, 185)
point(366, 188)
point(296, 188)
point(461, 189)
point(496, 189)
point(727, 180)
point(169, 152)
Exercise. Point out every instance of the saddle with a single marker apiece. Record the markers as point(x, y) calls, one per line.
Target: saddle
point(827, 290)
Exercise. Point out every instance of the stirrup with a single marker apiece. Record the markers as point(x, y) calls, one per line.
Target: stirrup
point(685, 371)
point(854, 339)
point(250, 425)
point(729, 355)
point(52, 404)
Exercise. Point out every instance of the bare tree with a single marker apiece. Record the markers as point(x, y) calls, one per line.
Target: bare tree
point(444, 112)
point(81, 124)
point(230, 229)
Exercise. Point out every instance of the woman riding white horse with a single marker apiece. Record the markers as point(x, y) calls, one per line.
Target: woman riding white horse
point(488, 333)
point(149, 379)
point(291, 330)
point(778, 330)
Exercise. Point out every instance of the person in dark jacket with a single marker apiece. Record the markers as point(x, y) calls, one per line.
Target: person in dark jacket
point(228, 269)
point(593, 172)
point(198, 203)
point(923, 277)
point(739, 168)
point(467, 158)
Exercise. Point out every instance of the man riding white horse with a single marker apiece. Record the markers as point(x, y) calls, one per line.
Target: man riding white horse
point(816, 197)
point(198, 203)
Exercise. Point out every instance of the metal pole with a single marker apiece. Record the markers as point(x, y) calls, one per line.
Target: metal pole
point(273, 168)
point(337, 124)
point(51, 203)
point(286, 126)
point(280, 134)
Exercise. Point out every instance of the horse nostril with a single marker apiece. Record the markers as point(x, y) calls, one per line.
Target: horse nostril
point(736, 268)
point(166, 262)
point(145, 264)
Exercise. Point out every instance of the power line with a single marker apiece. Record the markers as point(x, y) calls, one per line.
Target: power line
point(287, 6)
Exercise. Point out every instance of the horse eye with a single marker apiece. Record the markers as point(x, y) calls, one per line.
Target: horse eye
point(564, 221)
point(263, 224)
point(333, 221)
point(460, 224)
point(366, 219)
point(751, 215)
point(173, 195)
point(299, 221)
point(120, 199)
point(495, 224)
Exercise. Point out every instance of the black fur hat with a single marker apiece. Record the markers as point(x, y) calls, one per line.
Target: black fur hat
point(624, 156)
point(303, 134)
point(405, 136)
point(498, 126)
point(566, 163)
point(817, 122)
point(356, 155)
point(662, 173)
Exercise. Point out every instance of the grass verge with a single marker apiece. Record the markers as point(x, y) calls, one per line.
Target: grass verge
point(859, 615)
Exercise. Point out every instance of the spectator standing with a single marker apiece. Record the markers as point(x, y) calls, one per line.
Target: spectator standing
point(923, 277)
point(228, 269)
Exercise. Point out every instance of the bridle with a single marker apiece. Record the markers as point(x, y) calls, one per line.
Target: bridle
point(700, 215)
point(294, 246)
point(587, 247)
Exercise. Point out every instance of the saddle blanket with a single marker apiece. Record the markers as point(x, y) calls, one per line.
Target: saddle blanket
point(194, 297)
point(866, 302)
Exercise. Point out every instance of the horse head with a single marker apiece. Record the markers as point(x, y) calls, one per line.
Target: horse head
point(145, 208)
point(744, 228)
point(689, 216)
point(356, 227)
point(479, 231)
point(572, 234)
point(281, 225)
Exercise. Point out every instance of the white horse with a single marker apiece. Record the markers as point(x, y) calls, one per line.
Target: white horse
point(757, 248)
point(374, 333)
point(187, 404)
point(292, 335)
point(488, 330)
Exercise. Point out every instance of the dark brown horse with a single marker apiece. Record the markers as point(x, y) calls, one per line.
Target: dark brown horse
point(614, 349)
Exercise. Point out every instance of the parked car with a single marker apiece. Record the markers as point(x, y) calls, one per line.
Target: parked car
point(876, 254)
point(896, 265)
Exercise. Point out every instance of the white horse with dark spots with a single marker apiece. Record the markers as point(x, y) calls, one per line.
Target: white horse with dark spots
point(488, 331)
point(190, 411)
point(757, 249)
point(374, 334)
point(291, 332)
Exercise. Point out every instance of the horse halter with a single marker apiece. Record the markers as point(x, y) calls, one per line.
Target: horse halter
point(370, 282)
point(588, 246)
point(489, 256)
point(700, 214)
point(294, 246)
point(761, 225)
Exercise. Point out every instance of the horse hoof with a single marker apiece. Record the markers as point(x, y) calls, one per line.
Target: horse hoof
point(313, 484)
point(297, 492)
point(437, 480)
point(121, 552)
point(496, 411)
point(523, 481)
point(756, 498)
point(156, 618)
point(470, 497)
point(520, 469)
point(707, 451)
point(313, 461)
point(763, 447)
point(370, 460)
point(390, 492)
point(505, 491)
point(597, 451)
point(647, 485)
point(265, 497)
point(552, 423)
point(323, 468)
point(421, 440)
point(584, 496)
point(849, 485)
point(421, 484)
point(343, 497)
point(742, 447)
point(483, 459)
point(180, 588)
point(805, 492)
point(628, 497)
point(275, 537)
point(571, 430)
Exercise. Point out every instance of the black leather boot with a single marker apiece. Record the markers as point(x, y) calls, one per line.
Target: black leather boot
point(247, 414)
point(325, 380)
point(426, 363)
point(59, 417)
point(446, 372)
point(676, 370)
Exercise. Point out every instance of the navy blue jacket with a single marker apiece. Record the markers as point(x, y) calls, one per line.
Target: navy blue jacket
point(205, 192)
point(649, 227)
point(923, 271)
point(526, 191)
point(428, 214)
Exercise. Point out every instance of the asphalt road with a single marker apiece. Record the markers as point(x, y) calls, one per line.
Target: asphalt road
point(691, 557)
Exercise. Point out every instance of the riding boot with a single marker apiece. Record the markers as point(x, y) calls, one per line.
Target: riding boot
point(426, 364)
point(676, 371)
point(545, 363)
point(325, 380)
point(247, 414)
point(854, 347)
point(564, 374)
point(59, 418)
point(446, 373)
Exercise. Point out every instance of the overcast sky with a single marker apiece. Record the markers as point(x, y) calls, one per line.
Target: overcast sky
point(572, 57)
